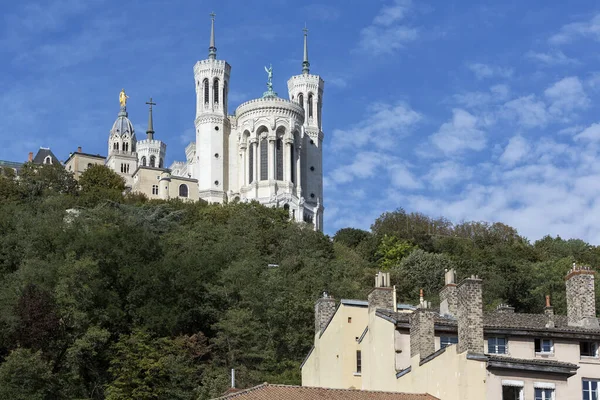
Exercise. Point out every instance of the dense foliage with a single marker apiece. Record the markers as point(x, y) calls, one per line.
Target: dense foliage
point(105, 296)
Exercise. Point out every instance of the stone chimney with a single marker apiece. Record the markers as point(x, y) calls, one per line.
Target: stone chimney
point(383, 295)
point(422, 333)
point(79, 149)
point(549, 311)
point(30, 158)
point(324, 310)
point(448, 295)
point(581, 297)
point(505, 308)
point(470, 316)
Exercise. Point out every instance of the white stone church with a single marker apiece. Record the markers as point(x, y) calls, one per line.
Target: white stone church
point(269, 150)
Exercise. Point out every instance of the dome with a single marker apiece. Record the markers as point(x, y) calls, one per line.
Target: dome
point(274, 106)
point(122, 125)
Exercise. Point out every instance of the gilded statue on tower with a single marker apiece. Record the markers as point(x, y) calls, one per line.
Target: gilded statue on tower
point(123, 98)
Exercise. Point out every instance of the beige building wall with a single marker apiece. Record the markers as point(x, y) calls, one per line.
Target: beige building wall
point(563, 389)
point(78, 162)
point(379, 355)
point(332, 362)
point(449, 376)
point(157, 183)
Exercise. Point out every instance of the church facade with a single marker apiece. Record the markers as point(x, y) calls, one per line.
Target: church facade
point(269, 150)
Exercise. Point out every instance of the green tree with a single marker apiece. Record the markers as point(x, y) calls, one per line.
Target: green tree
point(99, 183)
point(24, 375)
point(391, 251)
point(47, 179)
point(351, 237)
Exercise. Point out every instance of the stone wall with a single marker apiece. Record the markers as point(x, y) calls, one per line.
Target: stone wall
point(449, 300)
point(470, 316)
point(381, 297)
point(324, 310)
point(422, 333)
point(581, 297)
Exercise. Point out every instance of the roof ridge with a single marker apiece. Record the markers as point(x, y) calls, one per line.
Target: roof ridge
point(243, 391)
point(339, 389)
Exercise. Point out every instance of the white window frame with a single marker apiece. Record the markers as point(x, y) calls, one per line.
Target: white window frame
point(542, 340)
point(449, 342)
point(595, 344)
point(545, 386)
point(589, 381)
point(517, 384)
point(155, 189)
point(496, 345)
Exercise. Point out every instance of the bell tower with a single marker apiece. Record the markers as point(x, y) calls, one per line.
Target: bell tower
point(212, 124)
point(307, 90)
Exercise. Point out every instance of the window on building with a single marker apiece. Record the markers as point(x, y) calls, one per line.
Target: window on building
point(544, 346)
point(216, 90)
point(251, 164)
point(264, 160)
point(225, 97)
point(301, 100)
point(89, 165)
point(125, 146)
point(590, 389)
point(183, 190)
point(543, 394)
point(155, 189)
point(319, 111)
point(358, 362)
point(152, 161)
point(206, 90)
point(160, 163)
point(512, 392)
point(115, 146)
point(497, 345)
point(279, 159)
point(292, 165)
point(48, 160)
point(310, 105)
point(124, 168)
point(144, 161)
point(349, 320)
point(446, 341)
point(588, 349)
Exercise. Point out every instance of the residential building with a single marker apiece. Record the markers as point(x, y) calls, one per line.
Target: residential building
point(460, 351)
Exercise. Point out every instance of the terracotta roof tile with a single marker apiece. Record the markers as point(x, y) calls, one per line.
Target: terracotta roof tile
point(275, 392)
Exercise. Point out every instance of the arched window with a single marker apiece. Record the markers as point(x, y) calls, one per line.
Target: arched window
point(251, 164)
point(160, 162)
point(183, 190)
point(292, 165)
point(216, 90)
point(205, 85)
point(301, 100)
point(225, 97)
point(48, 160)
point(264, 160)
point(125, 146)
point(89, 165)
point(279, 158)
point(319, 111)
point(144, 161)
point(116, 146)
point(152, 161)
point(310, 105)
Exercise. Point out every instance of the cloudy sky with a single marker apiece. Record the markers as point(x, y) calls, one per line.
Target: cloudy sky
point(472, 110)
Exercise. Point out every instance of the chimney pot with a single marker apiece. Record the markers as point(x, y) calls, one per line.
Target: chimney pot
point(30, 158)
point(448, 294)
point(581, 297)
point(470, 316)
point(79, 149)
point(505, 308)
point(324, 310)
point(422, 333)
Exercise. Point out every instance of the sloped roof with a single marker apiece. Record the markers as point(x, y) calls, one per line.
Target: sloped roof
point(41, 155)
point(276, 392)
point(503, 320)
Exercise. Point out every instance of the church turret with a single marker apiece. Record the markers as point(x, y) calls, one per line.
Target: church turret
point(122, 144)
point(151, 152)
point(307, 90)
point(212, 124)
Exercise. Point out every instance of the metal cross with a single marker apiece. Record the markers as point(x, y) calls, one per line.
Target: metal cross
point(150, 103)
point(213, 15)
point(305, 30)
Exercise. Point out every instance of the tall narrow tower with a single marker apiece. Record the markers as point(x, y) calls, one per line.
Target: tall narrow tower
point(122, 156)
point(307, 90)
point(212, 124)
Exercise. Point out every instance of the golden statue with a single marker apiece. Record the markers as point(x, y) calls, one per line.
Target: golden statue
point(123, 98)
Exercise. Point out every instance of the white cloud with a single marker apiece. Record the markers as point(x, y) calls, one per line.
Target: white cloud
point(527, 111)
point(497, 93)
point(591, 133)
point(387, 33)
point(384, 124)
point(570, 32)
point(516, 149)
point(483, 71)
point(337, 82)
point(566, 96)
point(402, 178)
point(363, 166)
point(448, 173)
point(552, 58)
point(459, 134)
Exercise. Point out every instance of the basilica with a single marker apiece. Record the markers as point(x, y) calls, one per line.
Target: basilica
point(269, 150)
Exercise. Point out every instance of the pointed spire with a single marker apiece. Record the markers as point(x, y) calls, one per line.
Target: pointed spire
point(150, 131)
point(212, 50)
point(305, 63)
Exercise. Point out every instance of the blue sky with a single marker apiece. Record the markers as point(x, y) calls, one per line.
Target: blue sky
point(472, 110)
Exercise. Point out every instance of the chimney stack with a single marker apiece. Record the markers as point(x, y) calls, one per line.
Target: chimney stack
point(448, 295)
point(79, 149)
point(422, 333)
point(505, 308)
point(581, 297)
point(470, 316)
point(30, 158)
point(383, 294)
point(324, 310)
point(549, 311)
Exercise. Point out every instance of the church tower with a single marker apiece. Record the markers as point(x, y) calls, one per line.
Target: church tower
point(212, 124)
point(151, 152)
point(122, 156)
point(307, 90)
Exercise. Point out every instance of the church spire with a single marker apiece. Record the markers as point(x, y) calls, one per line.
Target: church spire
point(212, 50)
point(150, 131)
point(305, 63)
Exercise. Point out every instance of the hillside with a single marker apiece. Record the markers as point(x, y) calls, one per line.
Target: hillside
point(123, 297)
